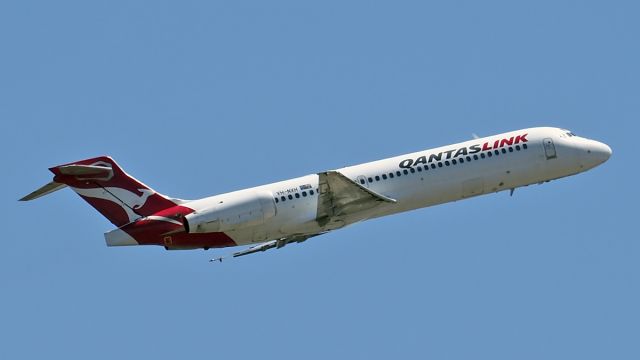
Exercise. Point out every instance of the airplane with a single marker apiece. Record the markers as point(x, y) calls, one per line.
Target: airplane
point(292, 211)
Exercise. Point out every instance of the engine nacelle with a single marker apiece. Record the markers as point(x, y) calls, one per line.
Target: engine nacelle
point(244, 210)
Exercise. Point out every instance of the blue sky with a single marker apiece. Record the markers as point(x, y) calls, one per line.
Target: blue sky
point(199, 98)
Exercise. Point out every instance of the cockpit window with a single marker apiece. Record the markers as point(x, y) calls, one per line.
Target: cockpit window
point(570, 134)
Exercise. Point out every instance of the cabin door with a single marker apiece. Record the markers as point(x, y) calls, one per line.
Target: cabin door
point(549, 148)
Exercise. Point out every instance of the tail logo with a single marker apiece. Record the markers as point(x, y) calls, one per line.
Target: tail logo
point(126, 199)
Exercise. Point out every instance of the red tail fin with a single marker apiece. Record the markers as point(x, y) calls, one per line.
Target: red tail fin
point(114, 193)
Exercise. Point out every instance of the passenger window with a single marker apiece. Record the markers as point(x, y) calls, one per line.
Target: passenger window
point(405, 171)
point(283, 198)
point(391, 175)
point(297, 196)
point(524, 146)
point(447, 162)
point(475, 157)
point(304, 193)
point(482, 155)
point(439, 164)
point(489, 154)
point(518, 147)
point(412, 170)
point(433, 166)
point(398, 173)
point(510, 149)
point(384, 176)
point(370, 180)
point(454, 161)
point(377, 178)
point(461, 160)
point(310, 192)
point(277, 200)
point(362, 181)
point(496, 152)
point(419, 168)
point(290, 197)
point(469, 158)
point(504, 151)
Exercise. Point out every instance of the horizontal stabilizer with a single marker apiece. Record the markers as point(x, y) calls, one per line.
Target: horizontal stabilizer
point(47, 189)
point(85, 170)
point(104, 185)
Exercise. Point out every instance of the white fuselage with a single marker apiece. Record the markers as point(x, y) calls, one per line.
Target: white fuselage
point(426, 178)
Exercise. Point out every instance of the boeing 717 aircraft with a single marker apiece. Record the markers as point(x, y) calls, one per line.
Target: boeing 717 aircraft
point(292, 211)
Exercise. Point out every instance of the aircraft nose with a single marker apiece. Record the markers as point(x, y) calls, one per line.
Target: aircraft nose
point(601, 152)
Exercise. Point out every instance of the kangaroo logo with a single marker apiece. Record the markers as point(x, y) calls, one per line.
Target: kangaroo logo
point(126, 199)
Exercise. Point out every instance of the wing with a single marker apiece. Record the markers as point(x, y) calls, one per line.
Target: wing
point(270, 245)
point(338, 196)
point(274, 244)
point(341, 196)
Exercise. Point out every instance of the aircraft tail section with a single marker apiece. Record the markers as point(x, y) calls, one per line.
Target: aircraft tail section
point(104, 185)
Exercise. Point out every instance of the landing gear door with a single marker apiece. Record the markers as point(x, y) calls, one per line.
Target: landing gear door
point(549, 148)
